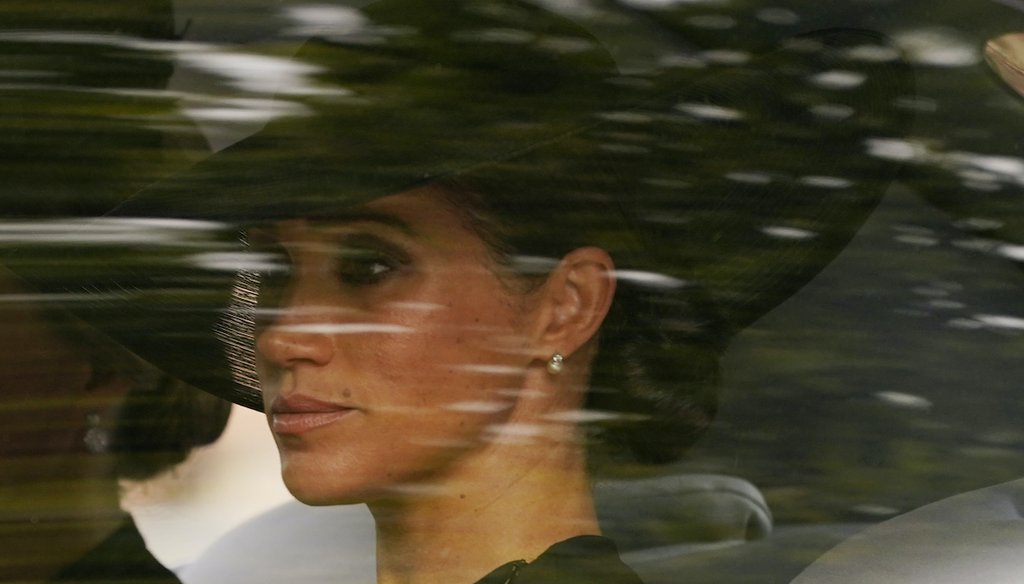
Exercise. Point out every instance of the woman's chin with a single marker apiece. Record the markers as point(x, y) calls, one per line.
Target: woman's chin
point(319, 488)
point(319, 495)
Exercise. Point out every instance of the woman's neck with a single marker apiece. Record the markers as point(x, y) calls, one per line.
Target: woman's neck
point(530, 498)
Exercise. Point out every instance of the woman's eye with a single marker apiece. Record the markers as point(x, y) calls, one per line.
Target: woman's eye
point(365, 267)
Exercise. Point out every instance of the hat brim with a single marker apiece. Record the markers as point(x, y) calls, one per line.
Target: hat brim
point(753, 178)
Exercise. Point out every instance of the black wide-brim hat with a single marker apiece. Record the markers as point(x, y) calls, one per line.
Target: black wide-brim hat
point(738, 180)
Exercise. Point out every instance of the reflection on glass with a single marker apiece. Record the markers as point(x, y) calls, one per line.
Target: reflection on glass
point(718, 154)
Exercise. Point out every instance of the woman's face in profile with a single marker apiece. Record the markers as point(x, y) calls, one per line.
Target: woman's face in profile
point(392, 353)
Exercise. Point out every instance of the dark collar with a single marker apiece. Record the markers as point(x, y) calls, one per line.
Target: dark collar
point(584, 559)
point(122, 557)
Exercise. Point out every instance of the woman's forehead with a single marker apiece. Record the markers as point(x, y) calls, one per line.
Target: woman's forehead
point(422, 211)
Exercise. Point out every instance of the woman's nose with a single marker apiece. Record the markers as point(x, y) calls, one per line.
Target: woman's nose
point(287, 343)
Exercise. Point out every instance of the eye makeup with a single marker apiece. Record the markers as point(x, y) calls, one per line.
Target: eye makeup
point(362, 260)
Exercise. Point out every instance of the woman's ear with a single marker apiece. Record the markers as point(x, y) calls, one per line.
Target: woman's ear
point(577, 297)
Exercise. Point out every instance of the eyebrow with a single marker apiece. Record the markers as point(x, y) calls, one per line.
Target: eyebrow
point(367, 215)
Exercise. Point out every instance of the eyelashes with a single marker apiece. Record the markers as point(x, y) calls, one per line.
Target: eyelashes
point(361, 264)
point(358, 262)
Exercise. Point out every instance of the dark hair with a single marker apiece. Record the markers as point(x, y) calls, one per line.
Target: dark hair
point(656, 370)
point(161, 419)
point(160, 423)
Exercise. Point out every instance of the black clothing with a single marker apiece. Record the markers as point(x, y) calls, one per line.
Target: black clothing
point(121, 558)
point(586, 559)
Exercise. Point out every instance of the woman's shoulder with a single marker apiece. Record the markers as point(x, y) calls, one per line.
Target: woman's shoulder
point(122, 557)
point(585, 559)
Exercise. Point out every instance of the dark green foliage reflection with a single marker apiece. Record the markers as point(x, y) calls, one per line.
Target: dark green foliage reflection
point(889, 381)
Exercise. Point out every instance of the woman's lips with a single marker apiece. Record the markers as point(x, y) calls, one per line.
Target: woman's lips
point(295, 423)
point(297, 414)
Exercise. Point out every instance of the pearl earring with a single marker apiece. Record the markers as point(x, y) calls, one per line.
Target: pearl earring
point(555, 364)
point(97, 437)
